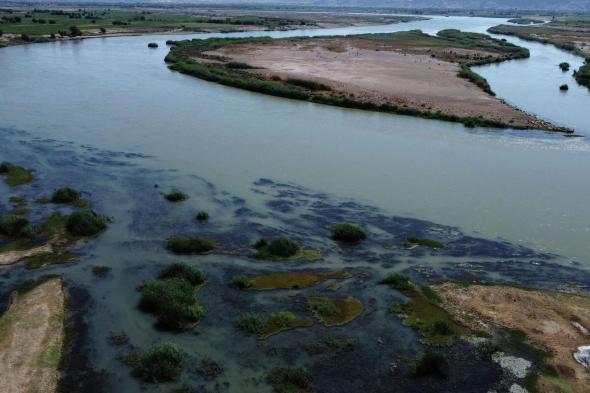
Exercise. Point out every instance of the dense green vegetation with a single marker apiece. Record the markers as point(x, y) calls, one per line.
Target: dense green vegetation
point(13, 225)
point(278, 248)
point(65, 195)
point(172, 298)
point(347, 233)
point(431, 363)
point(187, 245)
point(289, 380)
point(240, 281)
point(564, 66)
point(182, 53)
point(86, 223)
point(176, 196)
point(251, 323)
point(479, 80)
point(583, 75)
point(152, 45)
point(15, 175)
point(162, 363)
point(564, 87)
point(202, 216)
point(397, 281)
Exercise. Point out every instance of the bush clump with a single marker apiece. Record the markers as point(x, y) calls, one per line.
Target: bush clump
point(431, 363)
point(397, 281)
point(347, 233)
point(162, 363)
point(278, 248)
point(100, 271)
point(260, 243)
point(251, 323)
point(202, 216)
point(564, 87)
point(86, 223)
point(176, 196)
point(564, 66)
point(180, 270)
point(187, 245)
point(152, 45)
point(16, 226)
point(173, 301)
point(240, 281)
point(65, 195)
point(285, 380)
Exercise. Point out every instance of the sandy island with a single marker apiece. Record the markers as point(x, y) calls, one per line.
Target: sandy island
point(31, 339)
point(555, 321)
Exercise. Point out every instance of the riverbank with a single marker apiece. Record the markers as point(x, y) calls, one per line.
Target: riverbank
point(32, 337)
point(408, 73)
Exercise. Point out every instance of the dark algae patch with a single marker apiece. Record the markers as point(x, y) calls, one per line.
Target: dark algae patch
point(15, 175)
point(335, 311)
point(188, 245)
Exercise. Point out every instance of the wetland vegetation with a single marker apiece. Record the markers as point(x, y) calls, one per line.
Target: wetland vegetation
point(190, 245)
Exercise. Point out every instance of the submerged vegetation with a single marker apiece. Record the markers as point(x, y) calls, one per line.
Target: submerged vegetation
point(15, 175)
point(172, 298)
point(347, 233)
point(162, 363)
point(188, 245)
point(335, 311)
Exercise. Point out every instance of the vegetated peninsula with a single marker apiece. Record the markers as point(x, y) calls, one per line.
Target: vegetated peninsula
point(410, 73)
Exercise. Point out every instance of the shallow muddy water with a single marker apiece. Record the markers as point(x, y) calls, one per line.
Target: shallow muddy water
point(107, 117)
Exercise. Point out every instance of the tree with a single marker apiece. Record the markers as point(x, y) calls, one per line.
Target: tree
point(75, 31)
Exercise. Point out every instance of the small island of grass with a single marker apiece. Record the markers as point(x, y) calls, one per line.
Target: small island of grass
point(414, 241)
point(15, 175)
point(290, 380)
point(276, 323)
point(172, 298)
point(347, 233)
point(162, 363)
point(188, 245)
point(176, 196)
point(282, 249)
point(86, 223)
point(582, 75)
point(335, 311)
point(292, 280)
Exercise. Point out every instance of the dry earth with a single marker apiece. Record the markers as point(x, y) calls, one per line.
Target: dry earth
point(545, 316)
point(380, 72)
point(31, 339)
point(12, 257)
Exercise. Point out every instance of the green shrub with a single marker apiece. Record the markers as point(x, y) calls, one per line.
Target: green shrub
point(325, 309)
point(397, 281)
point(251, 323)
point(180, 270)
point(65, 195)
point(16, 226)
point(426, 242)
point(283, 247)
point(202, 216)
point(187, 245)
point(347, 233)
point(260, 243)
point(288, 380)
point(86, 223)
point(564, 66)
point(564, 87)
point(173, 301)
point(152, 45)
point(176, 196)
point(431, 363)
point(162, 363)
point(100, 271)
point(238, 65)
point(281, 319)
point(241, 281)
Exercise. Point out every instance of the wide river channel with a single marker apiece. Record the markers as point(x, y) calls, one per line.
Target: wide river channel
point(114, 94)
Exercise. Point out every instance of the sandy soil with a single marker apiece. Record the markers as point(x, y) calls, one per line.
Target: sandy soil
point(31, 339)
point(545, 316)
point(12, 257)
point(377, 72)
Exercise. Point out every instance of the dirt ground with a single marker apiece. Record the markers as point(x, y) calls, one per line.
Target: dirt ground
point(12, 257)
point(545, 316)
point(376, 72)
point(31, 339)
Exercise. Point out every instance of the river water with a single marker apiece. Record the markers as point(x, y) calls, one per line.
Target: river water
point(528, 188)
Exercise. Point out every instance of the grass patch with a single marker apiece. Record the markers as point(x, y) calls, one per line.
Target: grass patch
point(347, 233)
point(15, 175)
point(172, 298)
point(281, 321)
point(162, 363)
point(283, 249)
point(431, 363)
point(65, 195)
point(293, 280)
point(289, 380)
point(251, 323)
point(240, 281)
point(187, 245)
point(397, 281)
point(100, 271)
point(86, 223)
point(202, 216)
point(48, 258)
point(176, 196)
point(335, 311)
point(424, 242)
point(467, 73)
point(16, 226)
